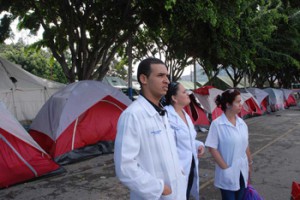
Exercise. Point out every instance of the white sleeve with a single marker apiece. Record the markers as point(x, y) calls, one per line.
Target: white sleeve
point(128, 170)
point(198, 144)
point(212, 139)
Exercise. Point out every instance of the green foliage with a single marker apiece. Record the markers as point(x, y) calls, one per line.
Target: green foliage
point(39, 63)
point(280, 53)
point(260, 38)
point(5, 28)
point(90, 31)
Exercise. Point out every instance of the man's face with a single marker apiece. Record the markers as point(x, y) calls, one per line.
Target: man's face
point(157, 82)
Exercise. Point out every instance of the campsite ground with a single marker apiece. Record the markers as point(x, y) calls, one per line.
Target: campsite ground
point(274, 142)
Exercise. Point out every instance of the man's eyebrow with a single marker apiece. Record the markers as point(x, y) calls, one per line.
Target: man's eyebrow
point(161, 73)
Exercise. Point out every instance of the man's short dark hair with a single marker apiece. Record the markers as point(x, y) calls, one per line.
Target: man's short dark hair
point(145, 67)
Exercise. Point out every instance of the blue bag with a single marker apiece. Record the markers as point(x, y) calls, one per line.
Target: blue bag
point(251, 194)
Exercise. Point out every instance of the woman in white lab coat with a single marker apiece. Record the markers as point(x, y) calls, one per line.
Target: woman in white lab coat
point(188, 148)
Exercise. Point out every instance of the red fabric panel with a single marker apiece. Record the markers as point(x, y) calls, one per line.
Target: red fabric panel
point(245, 112)
point(253, 109)
point(203, 90)
point(98, 123)
point(264, 105)
point(43, 140)
point(216, 113)
point(202, 119)
point(12, 168)
point(291, 101)
point(295, 193)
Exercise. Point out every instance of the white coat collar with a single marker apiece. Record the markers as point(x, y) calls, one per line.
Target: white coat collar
point(225, 121)
point(171, 111)
point(147, 106)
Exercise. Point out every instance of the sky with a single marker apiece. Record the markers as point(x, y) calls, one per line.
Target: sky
point(23, 34)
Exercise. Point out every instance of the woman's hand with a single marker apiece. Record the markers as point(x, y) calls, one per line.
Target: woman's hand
point(250, 161)
point(167, 190)
point(250, 169)
point(218, 158)
point(201, 151)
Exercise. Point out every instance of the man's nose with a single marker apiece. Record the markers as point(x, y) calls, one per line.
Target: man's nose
point(167, 80)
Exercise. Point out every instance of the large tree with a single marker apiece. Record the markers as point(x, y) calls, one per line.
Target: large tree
point(150, 43)
point(182, 34)
point(277, 59)
point(85, 37)
point(91, 31)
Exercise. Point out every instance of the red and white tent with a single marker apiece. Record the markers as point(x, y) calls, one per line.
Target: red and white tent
point(206, 96)
point(250, 106)
point(21, 158)
point(289, 98)
point(261, 98)
point(77, 118)
point(197, 114)
point(276, 99)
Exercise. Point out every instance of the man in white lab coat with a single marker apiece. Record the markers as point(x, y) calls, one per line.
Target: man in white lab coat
point(146, 159)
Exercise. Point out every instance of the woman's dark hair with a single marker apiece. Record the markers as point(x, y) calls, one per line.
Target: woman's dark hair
point(145, 67)
point(227, 96)
point(172, 90)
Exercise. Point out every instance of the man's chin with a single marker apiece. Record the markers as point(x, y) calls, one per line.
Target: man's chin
point(164, 93)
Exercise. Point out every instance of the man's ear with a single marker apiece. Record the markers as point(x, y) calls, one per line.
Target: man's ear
point(143, 79)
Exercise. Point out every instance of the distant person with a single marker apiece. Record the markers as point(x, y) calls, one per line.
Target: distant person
point(228, 144)
point(146, 159)
point(189, 149)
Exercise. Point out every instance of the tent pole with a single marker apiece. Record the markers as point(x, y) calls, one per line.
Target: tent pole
point(14, 102)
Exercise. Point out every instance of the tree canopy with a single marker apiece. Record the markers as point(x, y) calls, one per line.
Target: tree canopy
point(89, 31)
point(257, 38)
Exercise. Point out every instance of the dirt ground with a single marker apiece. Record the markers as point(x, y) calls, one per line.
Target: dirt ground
point(274, 142)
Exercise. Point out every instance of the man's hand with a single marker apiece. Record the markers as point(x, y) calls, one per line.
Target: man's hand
point(167, 190)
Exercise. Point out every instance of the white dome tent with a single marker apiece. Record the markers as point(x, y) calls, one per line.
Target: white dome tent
point(22, 92)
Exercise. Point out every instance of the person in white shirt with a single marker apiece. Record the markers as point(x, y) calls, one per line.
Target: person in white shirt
point(228, 144)
point(145, 155)
point(189, 149)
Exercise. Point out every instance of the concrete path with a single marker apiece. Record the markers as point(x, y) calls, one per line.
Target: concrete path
point(275, 146)
point(274, 142)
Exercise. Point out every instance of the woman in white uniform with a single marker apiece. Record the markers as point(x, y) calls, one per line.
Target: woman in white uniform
point(188, 148)
point(228, 144)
